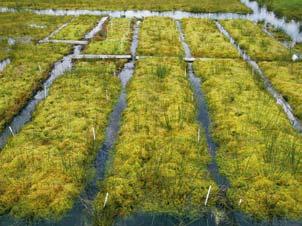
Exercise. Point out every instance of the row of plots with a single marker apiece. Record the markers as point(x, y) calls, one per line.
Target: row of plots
point(160, 160)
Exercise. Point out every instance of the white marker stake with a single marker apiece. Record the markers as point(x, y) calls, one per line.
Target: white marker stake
point(11, 130)
point(93, 132)
point(240, 201)
point(207, 198)
point(106, 199)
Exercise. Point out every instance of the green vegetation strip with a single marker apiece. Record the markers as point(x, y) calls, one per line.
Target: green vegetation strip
point(205, 40)
point(115, 38)
point(259, 152)
point(29, 26)
point(77, 29)
point(287, 79)
point(159, 37)
point(30, 66)
point(157, 5)
point(257, 44)
point(159, 164)
point(45, 167)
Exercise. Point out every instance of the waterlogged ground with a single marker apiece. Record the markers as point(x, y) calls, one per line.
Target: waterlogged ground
point(125, 121)
point(157, 5)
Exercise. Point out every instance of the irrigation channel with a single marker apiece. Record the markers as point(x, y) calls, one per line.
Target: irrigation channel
point(82, 211)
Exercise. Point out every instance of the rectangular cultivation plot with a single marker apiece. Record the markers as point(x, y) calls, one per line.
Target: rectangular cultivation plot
point(115, 38)
point(26, 26)
point(30, 66)
point(257, 44)
point(45, 167)
point(205, 40)
point(77, 29)
point(287, 79)
point(159, 37)
point(259, 151)
point(157, 5)
point(159, 164)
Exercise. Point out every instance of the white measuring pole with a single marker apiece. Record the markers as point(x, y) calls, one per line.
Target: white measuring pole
point(11, 130)
point(240, 201)
point(106, 199)
point(207, 198)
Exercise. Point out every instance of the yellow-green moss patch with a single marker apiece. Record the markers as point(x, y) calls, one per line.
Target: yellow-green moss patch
point(159, 164)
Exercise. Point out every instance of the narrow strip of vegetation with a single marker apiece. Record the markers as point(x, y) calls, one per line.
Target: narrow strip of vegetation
point(259, 151)
point(205, 40)
point(159, 37)
point(30, 66)
point(287, 78)
point(257, 44)
point(115, 38)
point(45, 167)
point(160, 163)
point(77, 29)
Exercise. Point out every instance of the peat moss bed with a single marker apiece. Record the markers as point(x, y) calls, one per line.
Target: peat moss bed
point(30, 66)
point(159, 163)
point(115, 38)
point(287, 78)
point(257, 44)
point(159, 37)
point(259, 151)
point(45, 167)
point(27, 27)
point(156, 5)
point(77, 28)
point(205, 40)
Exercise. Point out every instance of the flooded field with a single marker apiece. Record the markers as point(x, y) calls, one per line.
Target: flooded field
point(149, 117)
